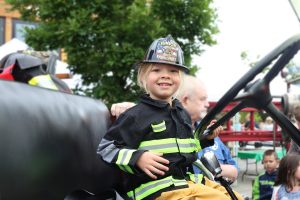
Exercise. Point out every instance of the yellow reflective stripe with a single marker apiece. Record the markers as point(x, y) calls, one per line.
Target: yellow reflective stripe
point(197, 141)
point(157, 142)
point(170, 145)
point(44, 81)
point(123, 159)
point(196, 178)
point(179, 182)
point(198, 146)
point(126, 169)
point(159, 127)
point(149, 188)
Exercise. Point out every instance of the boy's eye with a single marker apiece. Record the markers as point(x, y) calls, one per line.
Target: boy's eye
point(155, 69)
point(175, 71)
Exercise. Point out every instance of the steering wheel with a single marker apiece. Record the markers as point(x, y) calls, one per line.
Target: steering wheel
point(256, 93)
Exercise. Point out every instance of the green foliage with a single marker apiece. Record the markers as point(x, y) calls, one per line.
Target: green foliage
point(105, 38)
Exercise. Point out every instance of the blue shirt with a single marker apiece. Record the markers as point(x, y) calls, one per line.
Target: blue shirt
point(222, 153)
point(283, 194)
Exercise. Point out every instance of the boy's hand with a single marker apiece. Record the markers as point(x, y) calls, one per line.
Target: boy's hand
point(216, 131)
point(152, 163)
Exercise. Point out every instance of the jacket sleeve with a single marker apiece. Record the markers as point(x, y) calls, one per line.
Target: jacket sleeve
point(120, 143)
point(255, 189)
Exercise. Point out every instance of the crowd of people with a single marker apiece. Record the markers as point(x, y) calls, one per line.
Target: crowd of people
point(266, 124)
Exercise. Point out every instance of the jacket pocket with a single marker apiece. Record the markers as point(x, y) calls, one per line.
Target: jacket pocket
point(156, 128)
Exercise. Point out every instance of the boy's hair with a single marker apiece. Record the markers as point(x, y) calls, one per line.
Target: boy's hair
point(287, 169)
point(143, 72)
point(270, 152)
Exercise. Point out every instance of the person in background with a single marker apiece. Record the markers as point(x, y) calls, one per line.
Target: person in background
point(296, 113)
point(288, 178)
point(267, 124)
point(152, 142)
point(247, 123)
point(262, 188)
point(193, 96)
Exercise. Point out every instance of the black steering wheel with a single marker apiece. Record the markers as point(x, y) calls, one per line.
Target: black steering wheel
point(256, 93)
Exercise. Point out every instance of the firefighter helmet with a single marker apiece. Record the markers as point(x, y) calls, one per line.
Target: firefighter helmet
point(167, 51)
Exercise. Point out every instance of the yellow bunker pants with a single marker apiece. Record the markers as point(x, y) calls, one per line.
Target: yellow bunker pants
point(210, 191)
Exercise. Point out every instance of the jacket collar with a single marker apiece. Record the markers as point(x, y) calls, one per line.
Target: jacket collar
point(159, 104)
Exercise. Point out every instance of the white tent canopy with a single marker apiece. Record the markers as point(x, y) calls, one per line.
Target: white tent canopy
point(12, 46)
point(16, 45)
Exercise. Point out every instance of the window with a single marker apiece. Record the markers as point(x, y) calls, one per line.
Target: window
point(19, 28)
point(2, 31)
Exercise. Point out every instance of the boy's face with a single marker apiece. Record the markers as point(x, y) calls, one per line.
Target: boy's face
point(163, 81)
point(270, 163)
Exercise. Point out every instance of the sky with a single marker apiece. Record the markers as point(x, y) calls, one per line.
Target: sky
point(253, 26)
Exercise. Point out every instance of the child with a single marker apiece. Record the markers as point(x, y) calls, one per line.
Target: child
point(153, 142)
point(263, 184)
point(288, 179)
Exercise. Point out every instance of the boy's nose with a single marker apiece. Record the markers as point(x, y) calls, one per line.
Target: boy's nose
point(165, 74)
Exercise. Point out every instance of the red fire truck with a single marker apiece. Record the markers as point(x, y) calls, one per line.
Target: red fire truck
point(251, 134)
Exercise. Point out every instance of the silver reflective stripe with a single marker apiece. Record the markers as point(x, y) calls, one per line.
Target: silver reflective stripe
point(107, 150)
point(165, 146)
point(169, 145)
point(124, 157)
point(151, 187)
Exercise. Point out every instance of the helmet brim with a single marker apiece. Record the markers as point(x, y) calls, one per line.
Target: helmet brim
point(184, 68)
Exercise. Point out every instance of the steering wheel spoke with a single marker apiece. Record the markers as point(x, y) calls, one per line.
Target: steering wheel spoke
point(256, 92)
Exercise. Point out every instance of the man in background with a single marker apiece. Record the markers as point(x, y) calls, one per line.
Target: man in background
point(194, 98)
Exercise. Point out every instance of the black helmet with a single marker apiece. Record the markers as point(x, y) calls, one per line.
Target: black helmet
point(167, 51)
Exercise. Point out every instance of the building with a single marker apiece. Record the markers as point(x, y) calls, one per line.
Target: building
point(10, 24)
point(12, 27)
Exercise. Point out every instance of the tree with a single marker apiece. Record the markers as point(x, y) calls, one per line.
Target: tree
point(104, 38)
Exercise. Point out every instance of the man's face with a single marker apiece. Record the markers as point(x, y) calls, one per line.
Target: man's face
point(197, 103)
